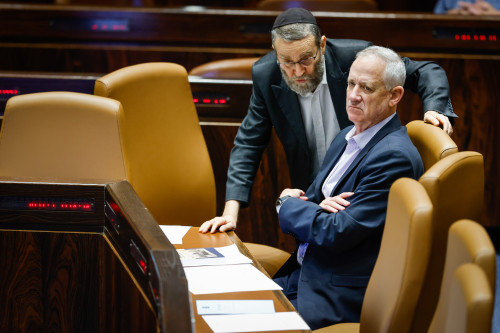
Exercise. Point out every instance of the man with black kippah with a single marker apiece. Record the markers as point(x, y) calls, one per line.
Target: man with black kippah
point(300, 90)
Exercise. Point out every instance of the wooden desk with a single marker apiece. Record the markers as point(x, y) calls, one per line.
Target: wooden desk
point(193, 239)
point(105, 269)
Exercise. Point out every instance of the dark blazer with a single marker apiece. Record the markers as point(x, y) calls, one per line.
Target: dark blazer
point(273, 104)
point(343, 246)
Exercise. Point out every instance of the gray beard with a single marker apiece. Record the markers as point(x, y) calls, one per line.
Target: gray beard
point(313, 80)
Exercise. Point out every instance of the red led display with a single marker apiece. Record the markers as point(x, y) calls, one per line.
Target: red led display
point(9, 92)
point(210, 100)
point(47, 204)
point(109, 27)
point(491, 38)
point(56, 205)
point(463, 34)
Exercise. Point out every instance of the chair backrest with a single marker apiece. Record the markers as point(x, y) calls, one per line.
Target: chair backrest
point(320, 5)
point(62, 136)
point(455, 185)
point(237, 68)
point(166, 156)
point(470, 302)
point(398, 275)
point(468, 242)
point(432, 143)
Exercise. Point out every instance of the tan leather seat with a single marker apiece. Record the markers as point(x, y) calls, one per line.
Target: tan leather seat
point(237, 68)
point(62, 136)
point(455, 185)
point(468, 242)
point(320, 5)
point(432, 143)
point(269, 257)
point(471, 302)
point(166, 157)
point(399, 272)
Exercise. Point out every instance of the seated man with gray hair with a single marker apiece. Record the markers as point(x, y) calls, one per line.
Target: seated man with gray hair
point(338, 222)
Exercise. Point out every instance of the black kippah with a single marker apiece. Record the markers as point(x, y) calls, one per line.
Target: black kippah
point(294, 15)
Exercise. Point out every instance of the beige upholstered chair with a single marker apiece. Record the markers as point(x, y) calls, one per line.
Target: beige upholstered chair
point(468, 242)
point(320, 5)
point(237, 68)
point(432, 143)
point(470, 304)
point(399, 272)
point(166, 157)
point(455, 185)
point(269, 257)
point(62, 136)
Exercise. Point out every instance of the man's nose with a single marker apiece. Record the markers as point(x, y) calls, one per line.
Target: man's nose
point(299, 69)
point(353, 93)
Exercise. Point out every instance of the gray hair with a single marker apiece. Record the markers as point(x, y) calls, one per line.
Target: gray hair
point(296, 31)
point(395, 71)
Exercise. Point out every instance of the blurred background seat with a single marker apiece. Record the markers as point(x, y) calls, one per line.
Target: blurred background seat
point(236, 68)
point(63, 136)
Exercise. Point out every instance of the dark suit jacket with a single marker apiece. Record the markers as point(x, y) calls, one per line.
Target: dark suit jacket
point(273, 104)
point(343, 246)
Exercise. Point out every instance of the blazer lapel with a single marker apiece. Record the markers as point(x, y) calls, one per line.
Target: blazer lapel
point(289, 104)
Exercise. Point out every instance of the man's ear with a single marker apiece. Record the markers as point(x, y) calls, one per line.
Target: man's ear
point(323, 44)
point(396, 95)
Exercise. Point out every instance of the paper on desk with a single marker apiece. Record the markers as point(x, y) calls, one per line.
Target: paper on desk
point(227, 278)
point(279, 321)
point(174, 233)
point(236, 306)
point(231, 256)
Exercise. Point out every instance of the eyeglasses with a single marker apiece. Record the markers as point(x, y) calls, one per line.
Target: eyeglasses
point(304, 62)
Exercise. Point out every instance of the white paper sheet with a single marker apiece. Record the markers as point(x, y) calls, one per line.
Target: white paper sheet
point(237, 306)
point(227, 278)
point(231, 253)
point(175, 233)
point(279, 321)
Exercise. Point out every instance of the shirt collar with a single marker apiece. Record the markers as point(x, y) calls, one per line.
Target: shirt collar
point(364, 137)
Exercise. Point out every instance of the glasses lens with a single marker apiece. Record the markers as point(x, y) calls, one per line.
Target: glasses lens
point(307, 62)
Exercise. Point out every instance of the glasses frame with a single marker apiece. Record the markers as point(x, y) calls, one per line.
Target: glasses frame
point(291, 65)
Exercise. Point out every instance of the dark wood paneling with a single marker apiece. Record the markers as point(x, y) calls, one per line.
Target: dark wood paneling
point(58, 38)
point(54, 282)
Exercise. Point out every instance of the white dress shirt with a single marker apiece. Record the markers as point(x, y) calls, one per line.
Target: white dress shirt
point(320, 121)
